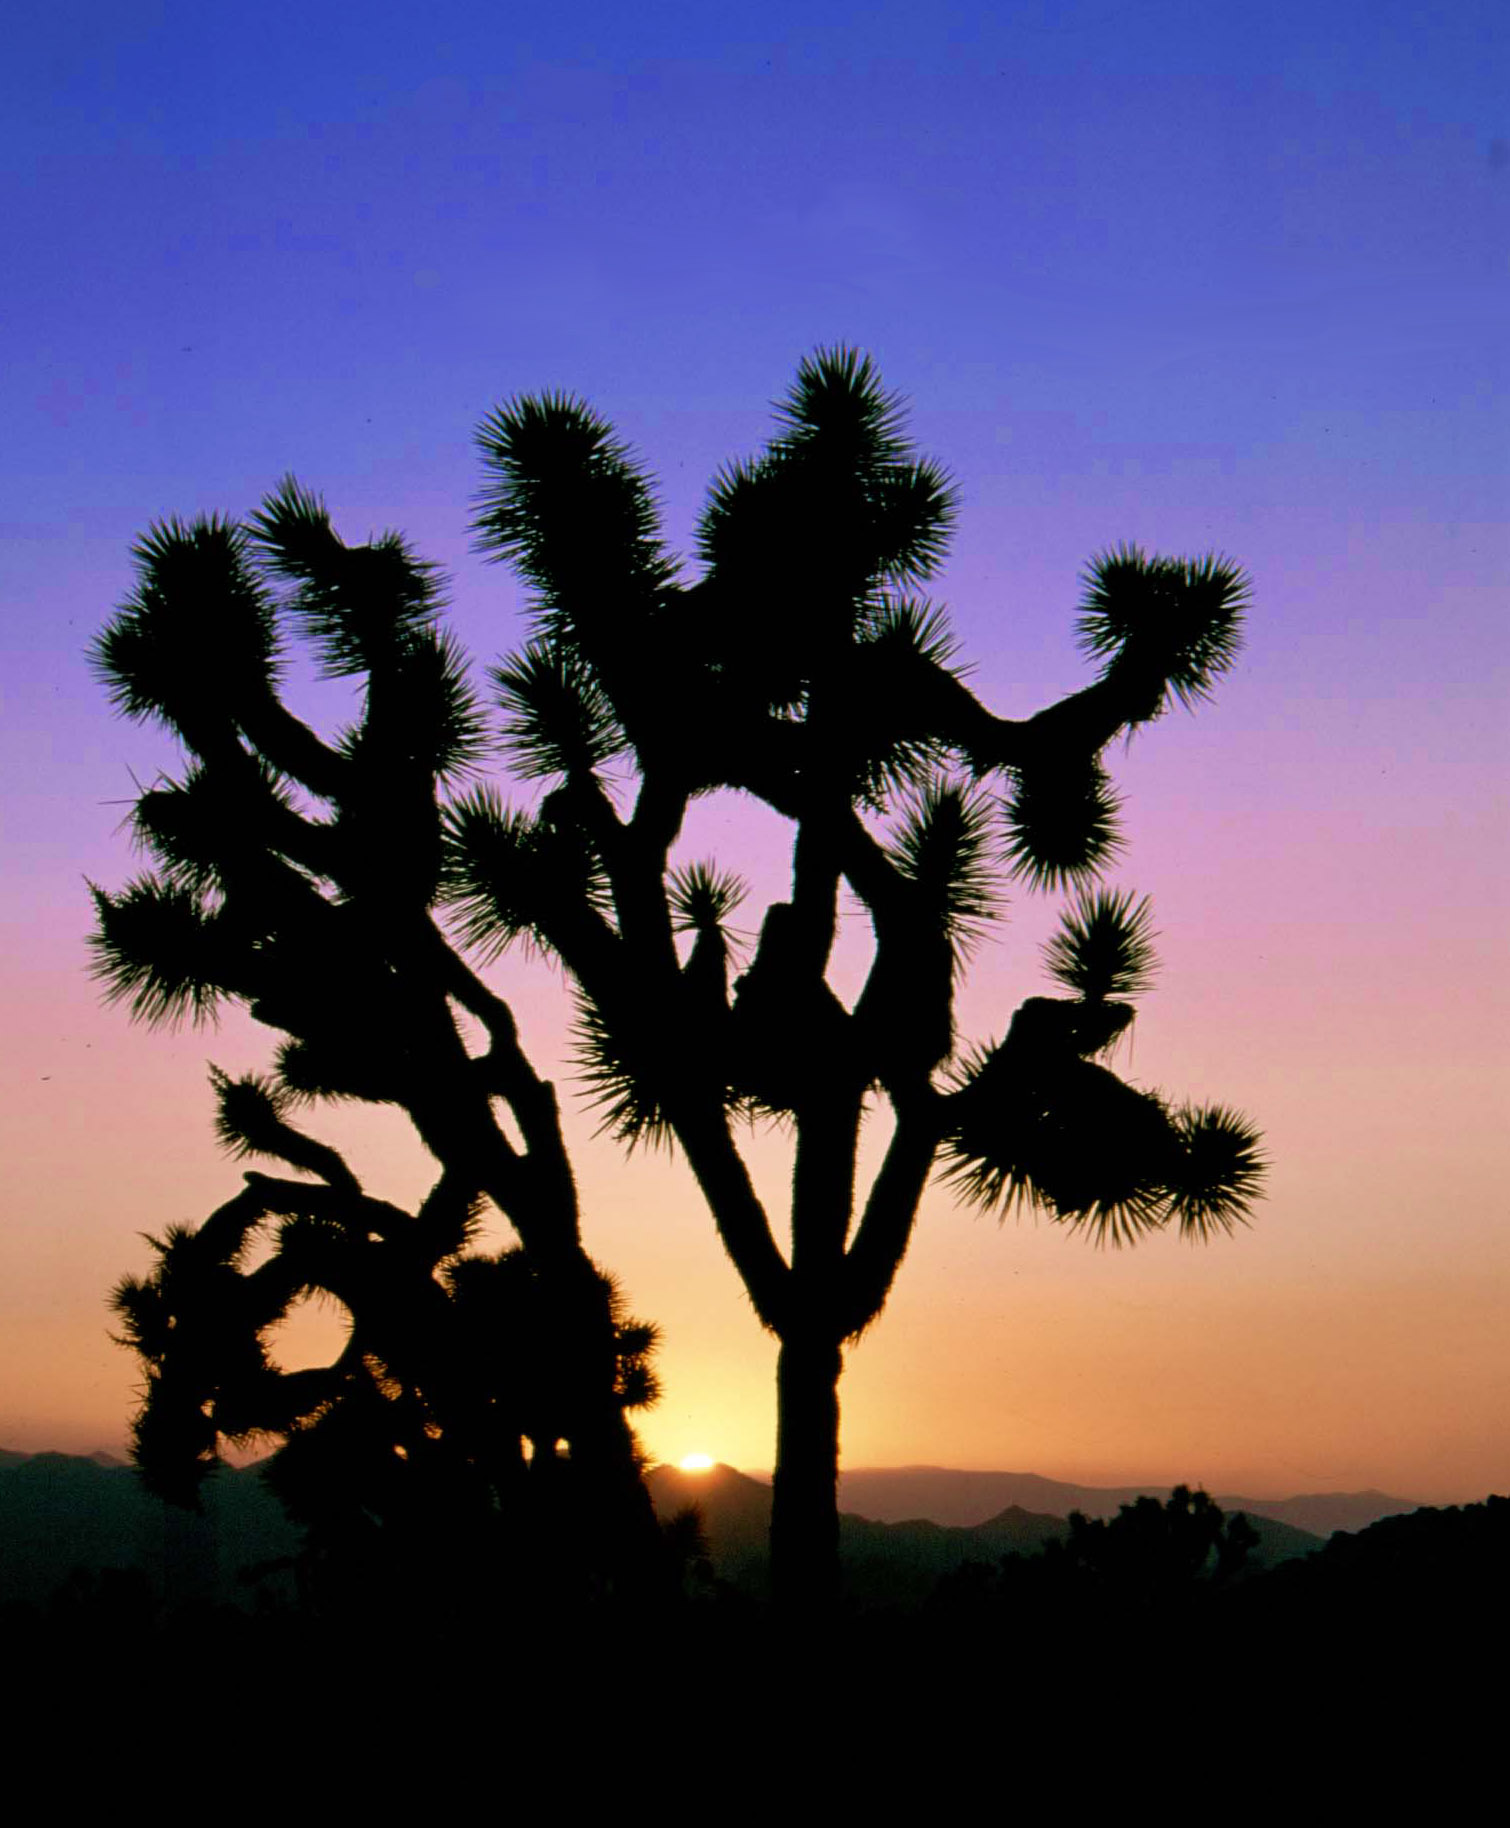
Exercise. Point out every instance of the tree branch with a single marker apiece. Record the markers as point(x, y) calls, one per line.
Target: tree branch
point(702, 1128)
point(886, 1226)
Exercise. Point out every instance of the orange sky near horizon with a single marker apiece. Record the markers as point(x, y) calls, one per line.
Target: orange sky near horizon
point(1334, 1344)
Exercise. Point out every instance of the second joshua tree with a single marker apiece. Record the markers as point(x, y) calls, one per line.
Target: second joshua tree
point(298, 878)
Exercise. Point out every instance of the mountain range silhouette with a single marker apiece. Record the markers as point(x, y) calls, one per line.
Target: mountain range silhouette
point(901, 1528)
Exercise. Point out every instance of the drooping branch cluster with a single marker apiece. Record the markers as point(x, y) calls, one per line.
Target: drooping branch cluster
point(453, 1358)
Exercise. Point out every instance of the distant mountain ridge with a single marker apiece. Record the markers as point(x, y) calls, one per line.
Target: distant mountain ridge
point(896, 1494)
point(901, 1528)
point(65, 1512)
point(891, 1562)
point(900, 1559)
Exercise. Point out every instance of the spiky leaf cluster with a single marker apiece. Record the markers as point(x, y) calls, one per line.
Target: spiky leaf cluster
point(1061, 823)
point(944, 847)
point(565, 503)
point(1034, 1127)
point(268, 828)
point(622, 1068)
point(702, 897)
point(1104, 947)
point(1220, 1170)
point(196, 643)
point(1176, 621)
point(164, 951)
point(359, 607)
point(838, 500)
point(510, 876)
point(903, 648)
point(560, 720)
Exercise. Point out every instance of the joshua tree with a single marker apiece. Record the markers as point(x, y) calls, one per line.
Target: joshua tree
point(297, 877)
point(405, 1456)
point(801, 671)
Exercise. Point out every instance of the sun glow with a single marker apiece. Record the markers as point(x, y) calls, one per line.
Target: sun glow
point(696, 1463)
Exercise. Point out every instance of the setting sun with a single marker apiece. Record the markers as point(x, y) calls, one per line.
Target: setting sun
point(696, 1463)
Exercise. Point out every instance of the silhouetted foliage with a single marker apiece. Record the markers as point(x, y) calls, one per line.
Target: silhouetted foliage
point(1416, 1585)
point(432, 1439)
point(1152, 1553)
point(298, 878)
point(1156, 1562)
point(801, 670)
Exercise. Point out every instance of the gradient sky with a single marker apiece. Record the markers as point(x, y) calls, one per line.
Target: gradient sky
point(1197, 276)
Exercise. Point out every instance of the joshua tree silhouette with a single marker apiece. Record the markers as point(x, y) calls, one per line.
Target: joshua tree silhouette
point(432, 1438)
point(801, 671)
point(298, 878)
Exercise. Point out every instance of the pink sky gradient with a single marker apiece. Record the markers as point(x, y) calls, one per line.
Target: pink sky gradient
point(1148, 274)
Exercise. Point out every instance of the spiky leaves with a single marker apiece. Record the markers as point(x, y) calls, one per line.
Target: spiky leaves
point(1034, 1122)
point(1061, 823)
point(839, 500)
point(1173, 624)
point(620, 1067)
point(165, 951)
point(196, 1323)
point(1104, 946)
point(566, 505)
point(1160, 626)
point(1219, 1171)
point(945, 849)
point(560, 720)
point(356, 605)
point(251, 1118)
point(837, 404)
point(1032, 1126)
point(196, 641)
point(903, 653)
point(508, 876)
point(702, 898)
point(220, 824)
point(370, 612)
point(839, 422)
point(249, 1114)
point(422, 714)
point(801, 545)
point(629, 1052)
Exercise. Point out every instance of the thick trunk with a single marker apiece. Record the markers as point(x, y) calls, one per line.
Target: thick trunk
point(805, 1499)
point(805, 1502)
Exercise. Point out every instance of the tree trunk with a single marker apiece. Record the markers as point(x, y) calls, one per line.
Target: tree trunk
point(805, 1499)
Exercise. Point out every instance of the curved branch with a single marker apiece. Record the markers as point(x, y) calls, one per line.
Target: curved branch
point(886, 1226)
point(743, 1227)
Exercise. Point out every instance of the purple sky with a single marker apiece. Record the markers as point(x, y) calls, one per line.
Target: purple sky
point(1195, 276)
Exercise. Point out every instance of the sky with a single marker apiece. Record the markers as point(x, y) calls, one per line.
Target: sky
point(1205, 278)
